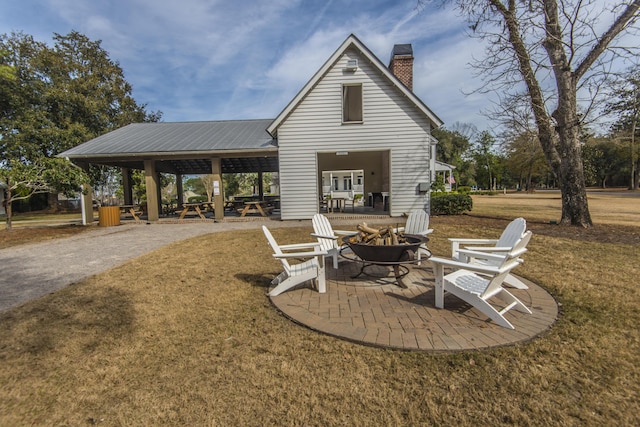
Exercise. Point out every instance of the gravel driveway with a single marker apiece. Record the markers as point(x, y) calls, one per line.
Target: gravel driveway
point(30, 271)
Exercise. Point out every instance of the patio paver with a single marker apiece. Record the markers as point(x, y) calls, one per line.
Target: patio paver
point(375, 311)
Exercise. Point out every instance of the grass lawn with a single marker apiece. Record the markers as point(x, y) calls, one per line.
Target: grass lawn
point(193, 340)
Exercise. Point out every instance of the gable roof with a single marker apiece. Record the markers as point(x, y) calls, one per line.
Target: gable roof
point(351, 41)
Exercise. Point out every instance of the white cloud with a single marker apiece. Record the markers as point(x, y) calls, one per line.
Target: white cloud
point(224, 59)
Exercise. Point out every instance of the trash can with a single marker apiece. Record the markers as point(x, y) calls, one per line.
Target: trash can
point(108, 216)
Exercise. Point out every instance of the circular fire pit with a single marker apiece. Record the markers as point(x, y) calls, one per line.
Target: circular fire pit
point(388, 254)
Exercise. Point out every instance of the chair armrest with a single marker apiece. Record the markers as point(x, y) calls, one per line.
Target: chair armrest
point(455, 264)
point(481, 255)
point(345, 232)
point(320, 236)
point(457, 242)
point(301, 254)
point(473, 241)
point(488, 248)
point(299, 246)
point(478, 268)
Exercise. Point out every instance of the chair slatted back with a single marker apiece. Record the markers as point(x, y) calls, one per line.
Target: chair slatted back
point(417, 222)
point(509, 262)
point(322, 226)
point(514, 231)
point(276, 248)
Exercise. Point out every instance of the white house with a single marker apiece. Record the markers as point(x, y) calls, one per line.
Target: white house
point(355, 115)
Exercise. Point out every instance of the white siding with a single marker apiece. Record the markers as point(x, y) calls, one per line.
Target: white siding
point(390, 122)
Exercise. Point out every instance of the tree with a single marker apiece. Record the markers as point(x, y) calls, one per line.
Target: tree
point(23, 180)
point(207, 183)
point(525, 158)
point(626, 105)
point(557, 41)
point(54, 98)
point(603, 158)
point(519, 139)
point(452, 148)
point(487, 160)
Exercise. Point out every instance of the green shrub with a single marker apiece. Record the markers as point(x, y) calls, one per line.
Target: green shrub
point(450, 204)
point(464, 189)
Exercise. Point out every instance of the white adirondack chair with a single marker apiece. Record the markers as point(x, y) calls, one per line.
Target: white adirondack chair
point(296, 274)
point(328, 237)
point(477, 284)
point(418, 223)
point(515, 230)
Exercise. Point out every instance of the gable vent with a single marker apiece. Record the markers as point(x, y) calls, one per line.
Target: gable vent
point(352, 65)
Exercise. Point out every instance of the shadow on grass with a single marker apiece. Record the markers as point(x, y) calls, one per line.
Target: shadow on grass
point(257, 280)
point(86, 319)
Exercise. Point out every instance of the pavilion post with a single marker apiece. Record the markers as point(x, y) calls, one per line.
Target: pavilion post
point(179, 191)
point(127, 188)
point(86, 203)
point(159, 178)
point(260, 186)
point(86, 197)
point(151, 180)
point(218, 192)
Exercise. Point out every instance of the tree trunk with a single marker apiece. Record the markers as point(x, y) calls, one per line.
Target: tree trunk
point(7, 207)
point(52, 202)
point(575, 208)
point(634, 168)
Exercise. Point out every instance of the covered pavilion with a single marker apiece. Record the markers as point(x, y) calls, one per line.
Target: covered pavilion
point(184, 148)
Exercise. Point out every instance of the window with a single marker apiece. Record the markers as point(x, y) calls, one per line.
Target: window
point(346, 183)
point(352, 103)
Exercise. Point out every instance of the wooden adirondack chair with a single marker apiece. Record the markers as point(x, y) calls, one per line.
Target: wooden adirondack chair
point(328, 237)
point(511, 234)
point(296, 274)
point(418, 223)
point(477, 284)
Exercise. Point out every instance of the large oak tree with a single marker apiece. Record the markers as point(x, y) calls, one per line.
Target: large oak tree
point(52, 99)
point(557, 50)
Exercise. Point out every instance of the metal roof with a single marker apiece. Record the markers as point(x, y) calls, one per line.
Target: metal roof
point(146, 138)
point(184, 147)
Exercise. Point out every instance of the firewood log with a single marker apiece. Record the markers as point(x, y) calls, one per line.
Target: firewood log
point(369, 230)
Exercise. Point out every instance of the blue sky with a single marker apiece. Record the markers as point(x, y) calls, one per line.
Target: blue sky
point(242, 59)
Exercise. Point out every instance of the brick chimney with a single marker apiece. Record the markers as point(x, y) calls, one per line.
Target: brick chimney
point(401, 64)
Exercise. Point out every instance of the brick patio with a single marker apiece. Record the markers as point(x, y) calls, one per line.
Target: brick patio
point(373, 310)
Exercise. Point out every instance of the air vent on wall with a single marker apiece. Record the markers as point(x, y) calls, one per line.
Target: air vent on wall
point(352, 65)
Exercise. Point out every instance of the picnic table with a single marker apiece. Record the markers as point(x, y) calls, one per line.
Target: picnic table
point(134, 210)
point(255, 207)
point(195, 207)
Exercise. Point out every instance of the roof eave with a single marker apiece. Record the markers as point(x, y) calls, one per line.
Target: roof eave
point(171, 154)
